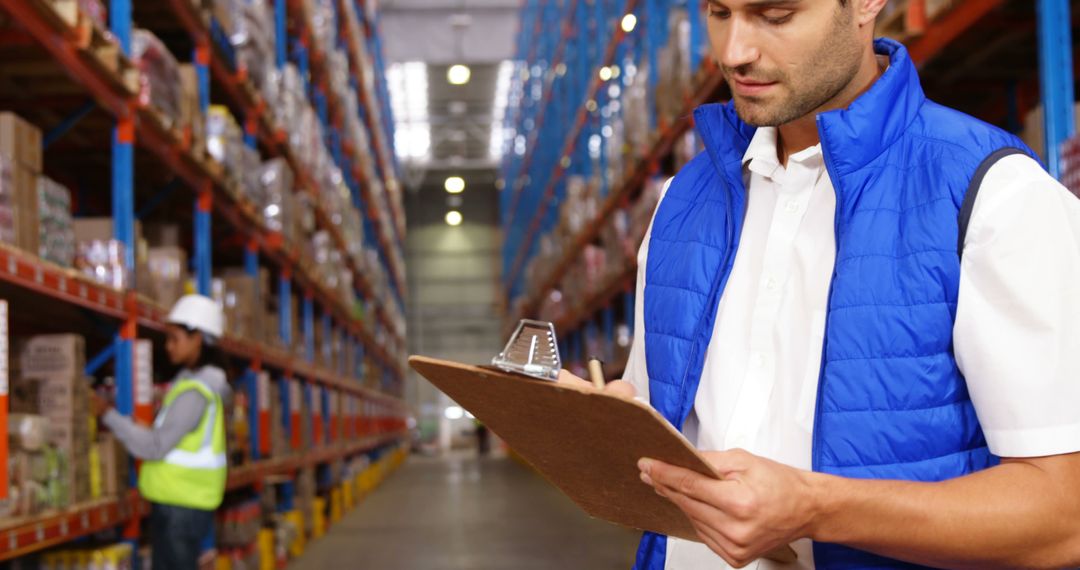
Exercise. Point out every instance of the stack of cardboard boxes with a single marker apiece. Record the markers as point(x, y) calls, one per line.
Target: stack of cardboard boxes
point(20, 167)
point(56, 363)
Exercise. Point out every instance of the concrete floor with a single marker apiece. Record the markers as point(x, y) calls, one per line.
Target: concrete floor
point(465, 513)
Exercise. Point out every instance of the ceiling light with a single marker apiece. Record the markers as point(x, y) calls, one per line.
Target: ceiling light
point(629, 22)
point(453, 218)
point(454, 413)
point(455, 185)
point(605, 73)
point(458, 74)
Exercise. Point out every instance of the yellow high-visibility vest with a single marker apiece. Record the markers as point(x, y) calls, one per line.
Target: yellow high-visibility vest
point(193, 474)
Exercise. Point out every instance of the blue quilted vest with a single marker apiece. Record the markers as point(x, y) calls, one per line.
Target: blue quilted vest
point(891, 401)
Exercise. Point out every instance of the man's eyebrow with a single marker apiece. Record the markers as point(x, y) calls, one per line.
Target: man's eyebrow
point(759, 4)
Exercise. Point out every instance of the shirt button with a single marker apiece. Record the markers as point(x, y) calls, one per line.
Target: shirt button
point(741, 442)
point(791, 206)
point(771, 284)
point(759, 360)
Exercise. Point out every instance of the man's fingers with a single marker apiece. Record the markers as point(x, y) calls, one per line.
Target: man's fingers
point(721, 533)
point(621, 389)
point(731, 461)
point(728, 496)
point(567, 377)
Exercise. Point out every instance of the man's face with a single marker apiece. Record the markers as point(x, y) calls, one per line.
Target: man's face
point(783, 59)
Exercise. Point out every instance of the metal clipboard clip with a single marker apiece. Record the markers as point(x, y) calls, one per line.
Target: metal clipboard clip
point(532, 351)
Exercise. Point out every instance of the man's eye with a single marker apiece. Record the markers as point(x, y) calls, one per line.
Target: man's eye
point(719, 13)
point(777, 17)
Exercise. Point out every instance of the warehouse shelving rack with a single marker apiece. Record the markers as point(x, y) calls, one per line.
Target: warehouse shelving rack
point(374, 419)
point(530, 195)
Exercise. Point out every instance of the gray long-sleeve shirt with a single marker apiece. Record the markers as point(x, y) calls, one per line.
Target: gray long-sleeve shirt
point(183, 416)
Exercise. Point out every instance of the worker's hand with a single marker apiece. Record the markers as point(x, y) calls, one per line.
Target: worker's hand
point(98, 405)
point(758, 506)
point(615, 388)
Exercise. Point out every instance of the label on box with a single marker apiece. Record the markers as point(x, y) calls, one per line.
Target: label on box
point(4, 352)
point(264, 391)
point(144, 372)
point(294, 396)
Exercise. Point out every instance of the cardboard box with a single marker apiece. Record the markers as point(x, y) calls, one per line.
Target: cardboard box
point(27, 209)
point(99, 229)
point(240, 302)
point(52, 355)
point(167, 274)
point(191, 113)
point(23, 397)
point(113, 459)
point(57, 363)
point(20, 140)
point(162, 235)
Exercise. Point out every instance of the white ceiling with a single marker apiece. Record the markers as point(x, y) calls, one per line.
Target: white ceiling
point(487, 36)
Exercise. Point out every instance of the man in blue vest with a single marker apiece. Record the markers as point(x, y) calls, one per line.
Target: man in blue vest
point(890, 367)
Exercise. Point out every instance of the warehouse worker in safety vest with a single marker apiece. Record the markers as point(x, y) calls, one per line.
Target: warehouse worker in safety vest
point(862, 306)
point(184, 456)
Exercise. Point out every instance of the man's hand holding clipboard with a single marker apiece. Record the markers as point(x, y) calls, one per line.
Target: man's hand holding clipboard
point(588, 443)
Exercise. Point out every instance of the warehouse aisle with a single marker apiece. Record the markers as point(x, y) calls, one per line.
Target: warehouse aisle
point(465, 513)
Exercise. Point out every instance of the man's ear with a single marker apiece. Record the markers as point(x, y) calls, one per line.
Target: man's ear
point(866, 11)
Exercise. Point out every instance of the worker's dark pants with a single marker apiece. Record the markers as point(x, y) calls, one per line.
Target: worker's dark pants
point(177, 535)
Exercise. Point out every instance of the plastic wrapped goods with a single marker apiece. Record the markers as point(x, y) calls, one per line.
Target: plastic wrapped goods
point(159, 76)
point(57, 242)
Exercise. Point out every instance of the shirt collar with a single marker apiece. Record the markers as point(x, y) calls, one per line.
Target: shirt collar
point(760, 157)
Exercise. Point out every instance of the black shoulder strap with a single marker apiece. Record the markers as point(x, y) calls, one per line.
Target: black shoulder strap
point(973, 190)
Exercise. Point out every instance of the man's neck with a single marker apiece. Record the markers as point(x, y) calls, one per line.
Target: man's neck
point(802, 133)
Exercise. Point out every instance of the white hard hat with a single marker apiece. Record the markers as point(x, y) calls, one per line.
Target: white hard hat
point(200, 313)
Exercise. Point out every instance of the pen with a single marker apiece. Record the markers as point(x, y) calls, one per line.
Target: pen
point(596, 372)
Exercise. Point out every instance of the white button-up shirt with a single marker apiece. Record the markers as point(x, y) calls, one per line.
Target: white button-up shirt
point(1017, 330)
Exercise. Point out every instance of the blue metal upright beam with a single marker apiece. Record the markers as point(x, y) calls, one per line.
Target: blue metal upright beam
point(285, 393)
point(328, 341)
point(123, 182)
point(285, 308)
point(120, 23)
point(123, 205)
point(202, 77)
point(251, 381)
point(280, 15)
point(309, 328)
point(608, 319)
point(309, 404)
point(324, 394)
point(203, 243)
point(251, 269)
point(1056, 76)
point(251, 266)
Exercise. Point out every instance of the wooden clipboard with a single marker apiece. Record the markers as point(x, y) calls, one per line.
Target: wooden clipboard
point(583, 441)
